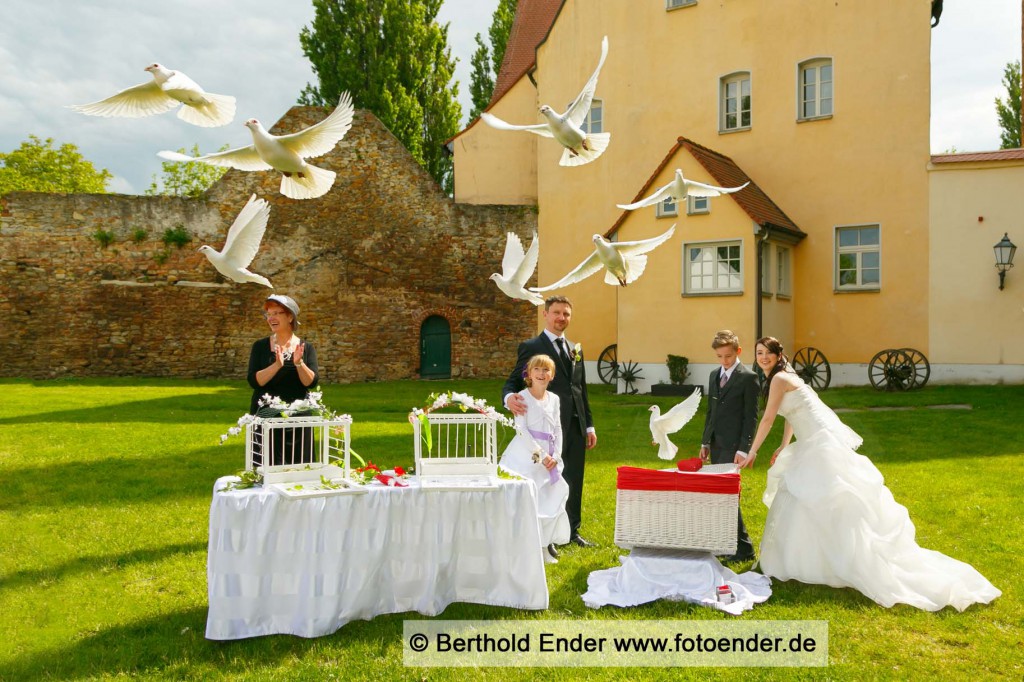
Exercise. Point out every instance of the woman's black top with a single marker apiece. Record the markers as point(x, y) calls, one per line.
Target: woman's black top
point(286, 384)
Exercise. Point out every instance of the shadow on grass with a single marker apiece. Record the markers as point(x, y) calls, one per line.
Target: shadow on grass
point(190, 408)
point(173, 643)
point(95, 563)
point(115, 481)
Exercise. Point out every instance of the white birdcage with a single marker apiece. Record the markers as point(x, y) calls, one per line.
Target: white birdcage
point(301, 456)
point(461, 451)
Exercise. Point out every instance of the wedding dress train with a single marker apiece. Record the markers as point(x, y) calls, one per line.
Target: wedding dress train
point(832, 521)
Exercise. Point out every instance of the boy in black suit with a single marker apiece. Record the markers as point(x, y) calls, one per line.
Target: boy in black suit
point(570, 384)
point(731, 419)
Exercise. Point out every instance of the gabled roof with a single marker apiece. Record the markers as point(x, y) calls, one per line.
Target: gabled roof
point(752, 199)
point(530, 27)
point(998, 155)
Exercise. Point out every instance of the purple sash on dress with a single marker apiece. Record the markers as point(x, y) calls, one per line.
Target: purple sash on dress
point(550, 439)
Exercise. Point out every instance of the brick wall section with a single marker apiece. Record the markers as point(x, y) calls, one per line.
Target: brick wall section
point(367, 262)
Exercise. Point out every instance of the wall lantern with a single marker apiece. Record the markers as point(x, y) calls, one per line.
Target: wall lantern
point(1004, 256)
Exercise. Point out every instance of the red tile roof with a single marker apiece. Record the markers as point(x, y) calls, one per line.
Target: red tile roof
point(530, 27)
point(752, 199)
point(999, 155)
point(532, 22)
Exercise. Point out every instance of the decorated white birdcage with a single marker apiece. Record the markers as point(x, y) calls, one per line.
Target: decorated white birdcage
point(301, 456)
point(456, 451)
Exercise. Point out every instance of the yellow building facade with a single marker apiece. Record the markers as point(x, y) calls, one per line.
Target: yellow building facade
point(823, 106)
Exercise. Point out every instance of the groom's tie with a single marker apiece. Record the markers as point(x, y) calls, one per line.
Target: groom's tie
point(563, 352)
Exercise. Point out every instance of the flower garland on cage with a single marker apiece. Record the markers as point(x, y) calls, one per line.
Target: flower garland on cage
point(463, 401)
point(272, 407)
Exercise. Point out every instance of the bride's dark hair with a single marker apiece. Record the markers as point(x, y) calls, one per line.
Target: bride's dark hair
point(774, 346)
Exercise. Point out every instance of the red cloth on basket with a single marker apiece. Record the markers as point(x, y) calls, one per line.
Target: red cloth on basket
point(634, 478)
point(692, 464)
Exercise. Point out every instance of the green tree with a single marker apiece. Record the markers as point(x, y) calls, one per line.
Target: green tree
point(481, 81)
point(486, 61)
point(1009, 112)
point(36, 166)
point(186, 179)
point(501, 26)
point(394, 58)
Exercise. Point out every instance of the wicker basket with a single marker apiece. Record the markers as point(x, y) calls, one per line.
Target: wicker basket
point(678, 510)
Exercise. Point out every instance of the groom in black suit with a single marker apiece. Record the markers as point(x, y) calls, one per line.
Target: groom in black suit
point(570, 385)
point(731, 418)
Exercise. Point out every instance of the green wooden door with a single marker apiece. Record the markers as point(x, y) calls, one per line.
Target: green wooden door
point(435, 348)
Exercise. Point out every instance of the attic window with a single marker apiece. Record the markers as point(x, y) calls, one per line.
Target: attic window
point(676, 4)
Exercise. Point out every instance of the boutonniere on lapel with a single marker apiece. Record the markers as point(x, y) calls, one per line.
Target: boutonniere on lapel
point(578, 353)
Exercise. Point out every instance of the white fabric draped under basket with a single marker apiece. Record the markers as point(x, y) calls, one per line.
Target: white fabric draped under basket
point(649, 574)
point(307, 567)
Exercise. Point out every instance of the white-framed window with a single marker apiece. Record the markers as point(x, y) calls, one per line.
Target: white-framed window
point(594, 122)
point(814, 90)
point(766, 270)
point(713, 268)
point(676, 4)
point(735, 102)
point(858, 257)
point(783, 274)
point(698, 205)
point(666, 209)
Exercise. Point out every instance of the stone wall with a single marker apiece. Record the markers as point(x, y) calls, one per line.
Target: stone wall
point(367, 262)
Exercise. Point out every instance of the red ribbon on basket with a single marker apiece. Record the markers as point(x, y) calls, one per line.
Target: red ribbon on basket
point(692, 464)
point(634, 478)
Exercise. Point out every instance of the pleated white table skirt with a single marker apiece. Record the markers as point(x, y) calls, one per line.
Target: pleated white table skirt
point(307, 567)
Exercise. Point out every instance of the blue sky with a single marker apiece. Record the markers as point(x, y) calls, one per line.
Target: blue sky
point(54, 53)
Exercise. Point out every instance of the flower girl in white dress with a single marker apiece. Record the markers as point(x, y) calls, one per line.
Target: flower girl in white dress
point(536, 453)
point(831, 518)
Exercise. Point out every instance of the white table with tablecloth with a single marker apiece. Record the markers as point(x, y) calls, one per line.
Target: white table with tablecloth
point(308, 566)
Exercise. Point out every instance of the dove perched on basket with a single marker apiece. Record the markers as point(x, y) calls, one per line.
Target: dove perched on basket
point(679, 189)
point(566, 129)
point(664, 424)
point(517, 268)
point(167, 90)
point(286, 153)
point(624, 262)
point(242, 244)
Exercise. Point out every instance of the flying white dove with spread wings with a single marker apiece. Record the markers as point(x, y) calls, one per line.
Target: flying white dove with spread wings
point(286, 153)
point(517, 268)
point(624, 261)
point(670, 422)
point(679, 189)
point(580, 147)
point(244, 237)
point(167, 90)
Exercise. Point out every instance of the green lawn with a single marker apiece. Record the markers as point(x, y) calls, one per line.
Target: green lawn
point(106, 487)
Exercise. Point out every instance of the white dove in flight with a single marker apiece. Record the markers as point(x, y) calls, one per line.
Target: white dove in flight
point(516, 269)
point(243, 242)
point(624, 261)
point(580, 147)
point(679, 189)
point(670, 422)
point(286, 153)
point(167, 90)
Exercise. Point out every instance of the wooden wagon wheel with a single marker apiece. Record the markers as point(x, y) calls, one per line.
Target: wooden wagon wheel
point(812, 366)
point(891, 370)
point(922, 368)
point(608, 365)
point(630, 373)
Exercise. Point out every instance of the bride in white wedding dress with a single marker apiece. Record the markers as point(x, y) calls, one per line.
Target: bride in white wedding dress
point(831, 519)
